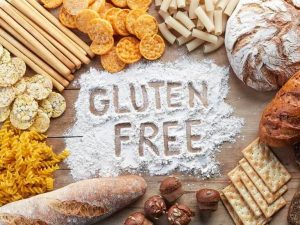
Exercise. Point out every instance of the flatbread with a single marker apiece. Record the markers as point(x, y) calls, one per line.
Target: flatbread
point(230, 210)
point(268, 167)
point(268, 210)
point(241, 208)
point(234, 176)
point(260, 185)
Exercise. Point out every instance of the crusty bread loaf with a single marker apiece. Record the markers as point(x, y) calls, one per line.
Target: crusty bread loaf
point(280, 122)
point(263, 42)
point(81, 203)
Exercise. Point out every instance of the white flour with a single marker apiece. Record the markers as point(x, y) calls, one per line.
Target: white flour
point(94, 155)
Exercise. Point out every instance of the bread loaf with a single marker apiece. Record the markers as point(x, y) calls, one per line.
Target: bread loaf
point(280, 122)
point(263, 42)
point(81, 203)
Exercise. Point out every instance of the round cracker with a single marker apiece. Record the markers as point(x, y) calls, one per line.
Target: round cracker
point(83, 19)
point(5, 57)
point(58, 103)
point(131, 18)
point(98, 6)
point(1, 50)
point(139, 4)
point(51, 4)
point(7, 96)
point(111, 14)
point(67, 19)
point(20, 87)
point(39, 87)
point(152, 47)
point(145, 25)
point(8, 75)
point(4, 113)
point(120, 3)
point(128, 50)
point(41, 122)
point(46, 106)
point(102, 44)
point(100, 27)
point(23, 112)
point(20, 66)
point(103, 11)
point(111, 62)
point(73, 7)
point(119, 22)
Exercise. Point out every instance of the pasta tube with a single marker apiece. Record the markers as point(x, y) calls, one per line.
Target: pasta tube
point(204, 19)
point(166, 33)
point(177, 26)
point(205, 36)
point(185, 20)
point(209, 47)
point(192, 45)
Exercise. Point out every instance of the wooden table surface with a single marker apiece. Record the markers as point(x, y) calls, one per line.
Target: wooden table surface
point(247, 104)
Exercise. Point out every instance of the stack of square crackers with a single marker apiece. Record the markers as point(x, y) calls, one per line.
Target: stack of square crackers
point(258, 183)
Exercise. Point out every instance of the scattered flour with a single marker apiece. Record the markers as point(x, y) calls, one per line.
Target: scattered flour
point(94, 155)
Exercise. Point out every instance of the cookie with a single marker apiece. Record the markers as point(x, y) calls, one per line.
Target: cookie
point(58, 104)
point(152, 47)
point(128, 50)
point(111, 62)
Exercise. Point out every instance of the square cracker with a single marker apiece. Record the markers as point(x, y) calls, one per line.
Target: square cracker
point(265, 163)
point(234, 176)
point(230, 210)
point(241, 208)
point(268, 210)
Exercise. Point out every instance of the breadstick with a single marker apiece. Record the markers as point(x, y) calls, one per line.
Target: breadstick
point(185, 20)
point(192, 45)
point(204, 19)
point(230, 7)
point(28, 59)
point(205, 36)
point(209, 47)
point(158, 3)
point(63, 31)
point(218, 17)
point(166, 33)
point(209, 5)
point(165, 5)
point(38, 61)
point(193, 6)
point(182, 40)
point(177, 26)
point(181, 3)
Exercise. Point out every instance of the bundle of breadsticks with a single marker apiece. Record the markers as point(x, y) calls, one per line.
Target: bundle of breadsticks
point(195, 22)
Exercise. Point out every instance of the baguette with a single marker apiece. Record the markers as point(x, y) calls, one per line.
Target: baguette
point(81, 203)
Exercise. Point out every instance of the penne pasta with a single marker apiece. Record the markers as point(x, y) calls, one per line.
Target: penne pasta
point(230, 7)
point(166, 33)
point(181, 3)
point(204, 19)
point(185, 20)
point(177, 26)
point(205, 36)
point(218, 21)
point(222, 4)
point(209, 5)
point(173, 5)
point(183, 40)
point(194, 44)
point(165, 5)
point(158, 3)
point(193, 6)
point(209, 47)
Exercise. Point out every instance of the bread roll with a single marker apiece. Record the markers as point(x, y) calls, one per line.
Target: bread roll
point(280, 122)
point(263, 43)
point(81, 203)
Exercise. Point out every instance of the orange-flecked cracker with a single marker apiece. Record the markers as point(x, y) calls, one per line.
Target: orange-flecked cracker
point(98, 6)
point(145, 25)
point(266, 164)
point(111, 62)
point(103, 11)
point(119, 22)
point(111, 14)
point(67, 19)
point(131, 18)
point(120, 3)
point(75, 6)
point(139, 4)
point(102, 44)
point(83, 19)
point(152, 47)
point(128, 50)
point(51, 4)
point(99, 27)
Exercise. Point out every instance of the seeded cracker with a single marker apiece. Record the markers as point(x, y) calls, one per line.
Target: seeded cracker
point(20, 87)
point(241, 208)
point(73, 7)
point(51, 4)
point(5, 58)
point(119, 22)
point(139, 4)
point(128, 50)
point(99, 27)
point(4, 113)
point(268, 210)
point(230, 210)
point(152, 47)
point(111, 62)
point(41, 123)
point(83, 19)
point(20, 66)
point(46, 107)
point(58, 103)
point(234, 176)
point(131, 18)
point(23, 112)
point(268, 167)
point(7, 96)
point(8, 75)
point(120, 3)
point(39, 87)
point(260, 185)
point(67, 19)
point(145, 25)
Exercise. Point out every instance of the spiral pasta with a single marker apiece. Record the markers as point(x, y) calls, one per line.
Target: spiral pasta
point(27, 164)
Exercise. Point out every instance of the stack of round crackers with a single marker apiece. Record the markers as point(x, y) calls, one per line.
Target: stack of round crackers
point(122, 32)
point(28, 102)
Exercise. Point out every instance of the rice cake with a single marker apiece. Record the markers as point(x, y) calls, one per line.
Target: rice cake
point(268, 167)
point(234, 176)
point(268, 210)
point(39, 86)
point(145, 25)
point(131, 18)
point(58, 104)
point(5, 57)
point(260, 185)
point(111, 62)
point(128, 50)
point(102, 44)
point(119, 22)
point(152, 47)
point(41, 123)
point(100, 27)
point(241, 208)
point(20, 66)
point(1, 51)
point(230, 210)
point(46, 107)
point(7, 96)
point(20, 87)
point(139, 4)
point(4, 113)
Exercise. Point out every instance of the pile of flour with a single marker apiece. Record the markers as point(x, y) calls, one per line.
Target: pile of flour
point(94, 153)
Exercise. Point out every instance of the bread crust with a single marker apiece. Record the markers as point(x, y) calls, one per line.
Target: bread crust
point(280, 121)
